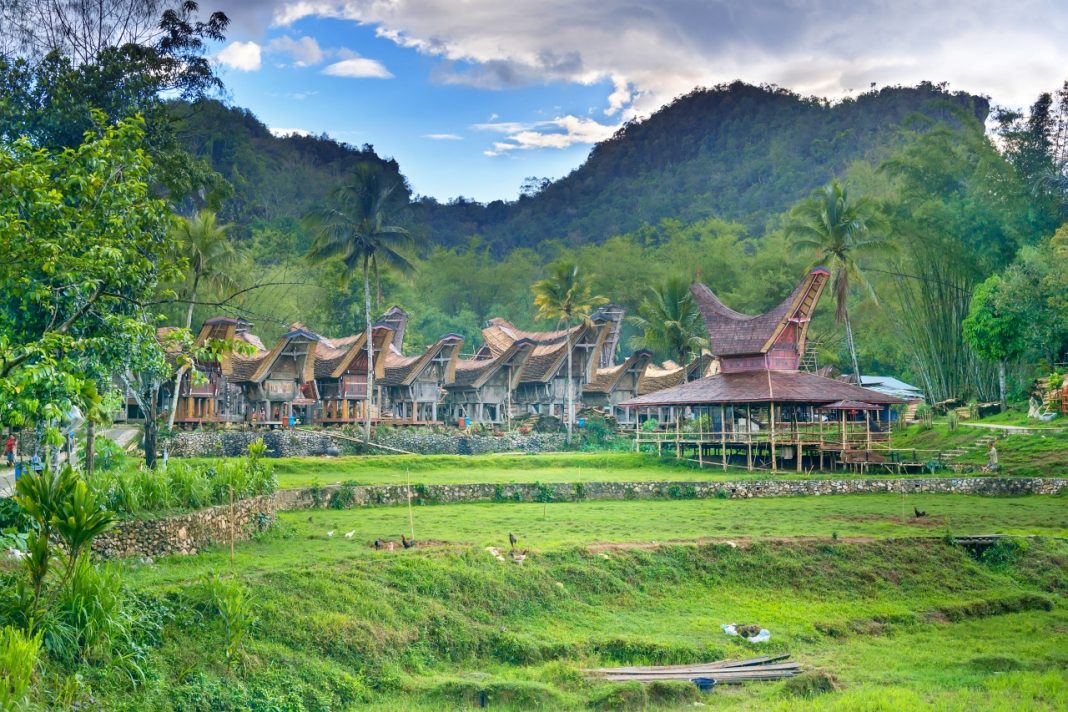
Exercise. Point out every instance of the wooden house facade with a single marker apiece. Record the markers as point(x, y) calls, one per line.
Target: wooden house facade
point(413, 387)
point(612, 385)
point(482, 388)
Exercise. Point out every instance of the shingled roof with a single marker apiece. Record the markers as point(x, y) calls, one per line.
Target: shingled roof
point(473, 373)
point(606, 379)
point(657, 378)
point(761, 387)
point(550, 347)
point(333, 356)
point(403, 370)
point(732, 333)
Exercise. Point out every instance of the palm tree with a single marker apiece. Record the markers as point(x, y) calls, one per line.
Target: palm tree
point(840, 231)
point(212, 259)
point(212, 262)
point(564, 298)
point(670, 322)
point(354, 229)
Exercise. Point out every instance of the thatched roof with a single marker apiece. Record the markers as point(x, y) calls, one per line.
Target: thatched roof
point(550, 347)
point(668, 374)
point(473, 373)
point(403, 370)
point(761, 387)
point(732, 333)
point(606, 379)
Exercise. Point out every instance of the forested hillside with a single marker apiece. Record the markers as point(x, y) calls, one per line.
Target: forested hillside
point(739, 152)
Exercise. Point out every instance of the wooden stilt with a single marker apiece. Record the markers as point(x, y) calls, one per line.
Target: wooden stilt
point(723, 436)
point(771, 410)
point(749, 436)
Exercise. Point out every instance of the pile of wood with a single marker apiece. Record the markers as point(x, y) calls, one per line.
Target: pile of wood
point(724, 672)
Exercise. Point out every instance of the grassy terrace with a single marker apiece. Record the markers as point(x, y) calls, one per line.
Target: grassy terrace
point(301, 538)
point(902, 624)
point(1020, 455)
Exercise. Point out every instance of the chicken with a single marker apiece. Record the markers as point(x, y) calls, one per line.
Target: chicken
point(378, 543)
point(330, 534)
point(348, 535)
point(919, 513)
point(408, 543)
point(512, 540)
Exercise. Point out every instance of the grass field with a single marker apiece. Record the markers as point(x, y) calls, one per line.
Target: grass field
point(302, 538)
point(890, 625)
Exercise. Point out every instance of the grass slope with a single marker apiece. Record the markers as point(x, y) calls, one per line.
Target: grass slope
point(898, 625)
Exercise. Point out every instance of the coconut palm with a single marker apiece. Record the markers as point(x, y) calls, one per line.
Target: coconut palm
point(203, 242)
point(212, 259)
point(840, 232)
point(564, 298)
point(669, 322)
point(354, 230)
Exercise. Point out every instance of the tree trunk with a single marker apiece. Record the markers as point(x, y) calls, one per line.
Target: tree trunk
point(90, 446)
point(1001, 384)
point(151, 440)
point(570, 389)
point(370, 351)
point(174, 397)
point(852, 349)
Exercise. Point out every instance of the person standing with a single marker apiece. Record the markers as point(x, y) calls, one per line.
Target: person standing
point(992, 458)
point(9, 450)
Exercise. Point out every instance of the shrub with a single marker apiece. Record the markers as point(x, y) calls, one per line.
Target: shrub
point(18, 658)
point(650, 425)
point(620, 696)
point(810, 684)
point(343, 497)
point(672, 692)
point(952, 420)
point(232, 604)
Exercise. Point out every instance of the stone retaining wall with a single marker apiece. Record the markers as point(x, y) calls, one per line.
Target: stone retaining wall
point(304, 443)
point(185, 533)
point(343, 496)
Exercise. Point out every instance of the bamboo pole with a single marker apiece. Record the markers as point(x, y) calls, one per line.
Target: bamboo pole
point(723, 436)
point(411, 517)
point(749, 436)
point(700, 441)
point(774, 465)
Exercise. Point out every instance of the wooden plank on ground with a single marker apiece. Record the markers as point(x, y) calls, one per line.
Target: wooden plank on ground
point(710, 666)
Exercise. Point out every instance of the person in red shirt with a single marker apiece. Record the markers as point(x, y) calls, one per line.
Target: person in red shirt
point(9, 450)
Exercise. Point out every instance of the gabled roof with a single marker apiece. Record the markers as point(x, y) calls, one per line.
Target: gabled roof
point(473, 373)
point(761, 387)
point(403, 370)
point(657, 378)
point(296, 331)
point(606, 379)
point(732, 333)
point(550, 347)
point(334, 356)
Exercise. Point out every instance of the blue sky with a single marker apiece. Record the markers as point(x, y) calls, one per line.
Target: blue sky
point(473, 97)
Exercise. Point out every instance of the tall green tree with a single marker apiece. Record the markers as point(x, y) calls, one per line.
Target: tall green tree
point(565, 298)
point(212, 262)
point(669, 322)
point(841, 232)
point(994, 331)
point(355, 230)
point(85, 249)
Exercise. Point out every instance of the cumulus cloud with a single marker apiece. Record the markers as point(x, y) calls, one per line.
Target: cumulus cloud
point(243, 56)
point(443, 137)
point(359, 68)
point(561, 132)
point(280, 133)
point(651, 51)
point(304, 51)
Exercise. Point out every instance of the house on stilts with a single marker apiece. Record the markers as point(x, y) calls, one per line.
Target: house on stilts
point(759, 410)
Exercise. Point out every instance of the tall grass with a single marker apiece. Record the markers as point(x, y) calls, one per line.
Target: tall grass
point(183, 485)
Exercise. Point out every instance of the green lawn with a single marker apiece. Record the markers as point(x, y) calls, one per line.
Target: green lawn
point(903, 624)
point(301, 538)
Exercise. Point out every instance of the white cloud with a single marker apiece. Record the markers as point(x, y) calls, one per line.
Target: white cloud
point(289, 132)
point(304, 51)
point(359, 68)
point(443, 137)
point(561, 132)
point(652, 52)
point(244, 56)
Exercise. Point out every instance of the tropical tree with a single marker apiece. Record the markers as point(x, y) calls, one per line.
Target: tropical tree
point(212, 259)
point(564, 298)
point(670, 322)
point(354, 229)
point(993, 329)
point(841, 232)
